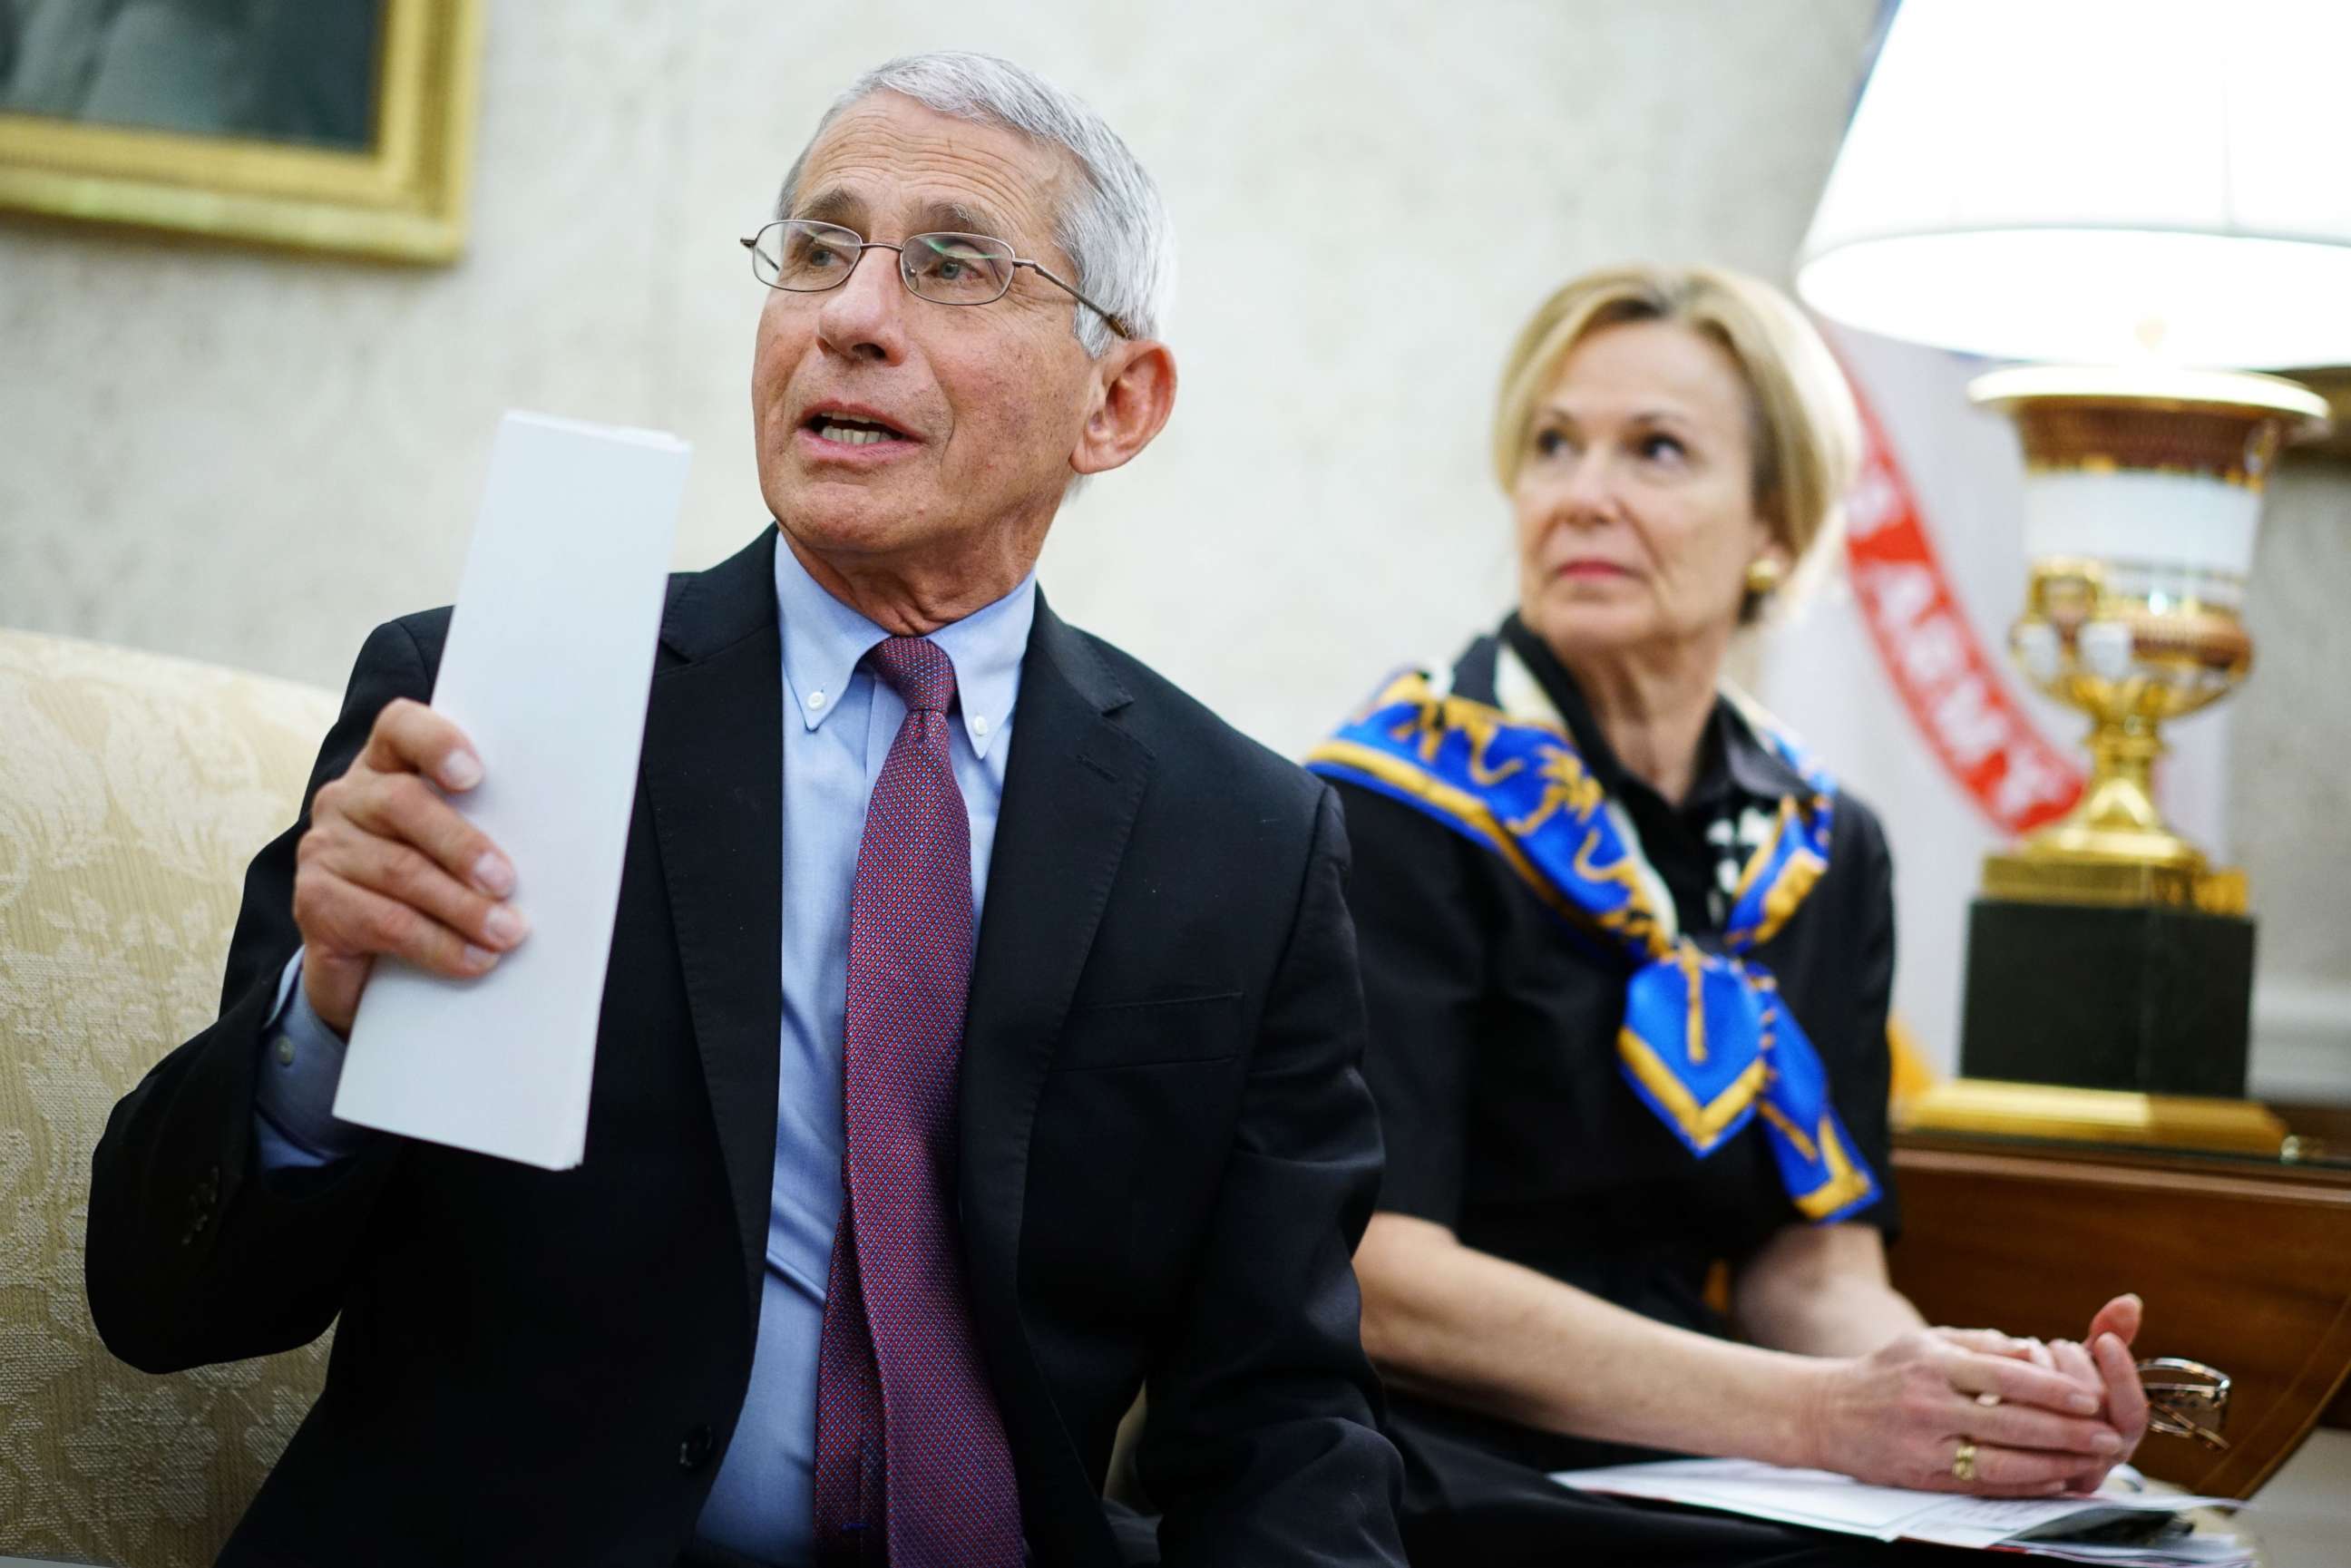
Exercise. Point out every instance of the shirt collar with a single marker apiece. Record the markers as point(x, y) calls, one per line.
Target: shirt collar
point(1729, 753)
point(824, 639)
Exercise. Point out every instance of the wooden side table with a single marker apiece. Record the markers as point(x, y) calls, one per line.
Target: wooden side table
point(2244, 1263)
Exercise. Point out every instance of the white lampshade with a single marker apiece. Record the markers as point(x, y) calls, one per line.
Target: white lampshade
point(2098, 181)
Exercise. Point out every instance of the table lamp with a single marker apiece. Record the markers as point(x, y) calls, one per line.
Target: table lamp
point(2145, 198)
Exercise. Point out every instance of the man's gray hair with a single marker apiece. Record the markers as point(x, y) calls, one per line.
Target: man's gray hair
point(1115, 231)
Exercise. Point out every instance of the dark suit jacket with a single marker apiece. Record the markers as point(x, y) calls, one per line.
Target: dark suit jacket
point(1168, 1156)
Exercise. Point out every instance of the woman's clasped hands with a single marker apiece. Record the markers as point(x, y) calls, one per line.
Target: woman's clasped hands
point(1975, 1410)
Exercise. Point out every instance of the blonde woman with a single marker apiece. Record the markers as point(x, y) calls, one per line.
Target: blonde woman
point(1627, 949)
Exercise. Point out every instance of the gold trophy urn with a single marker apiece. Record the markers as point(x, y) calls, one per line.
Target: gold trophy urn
point(2109, 980)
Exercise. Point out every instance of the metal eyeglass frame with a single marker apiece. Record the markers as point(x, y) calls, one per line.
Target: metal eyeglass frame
point(2185, 1399)
point(751, 243)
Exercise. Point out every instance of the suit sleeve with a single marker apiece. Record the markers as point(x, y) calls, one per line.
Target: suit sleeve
point(294, 1125)
point(1259, 1442)
point(1424, 939)
point(194, 1255)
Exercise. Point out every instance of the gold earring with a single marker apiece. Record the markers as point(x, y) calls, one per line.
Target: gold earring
point(1762, 576)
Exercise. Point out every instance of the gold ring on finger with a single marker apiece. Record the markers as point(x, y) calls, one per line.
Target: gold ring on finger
point(1963, 1462)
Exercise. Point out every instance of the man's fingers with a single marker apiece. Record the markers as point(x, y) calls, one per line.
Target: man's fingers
point(410, 737)
point(404, 807)
point(406, 876)
point(2019, 1382)
point(351, 920)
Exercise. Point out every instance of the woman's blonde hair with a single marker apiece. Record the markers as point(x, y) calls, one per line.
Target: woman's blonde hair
point(1802, 424)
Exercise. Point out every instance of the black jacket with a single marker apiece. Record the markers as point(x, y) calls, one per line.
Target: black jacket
point(1168, 1156)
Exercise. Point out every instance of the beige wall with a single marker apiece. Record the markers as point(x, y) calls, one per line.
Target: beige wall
point(2289, 783)
point(251, 458)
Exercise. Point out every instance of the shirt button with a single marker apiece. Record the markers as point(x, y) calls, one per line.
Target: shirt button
point(980, 725)
point(816, 700)
point(285, 1050)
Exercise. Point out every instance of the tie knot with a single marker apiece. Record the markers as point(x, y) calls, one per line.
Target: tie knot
point(918, 670)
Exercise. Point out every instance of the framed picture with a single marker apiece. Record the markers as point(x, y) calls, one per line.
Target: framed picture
point(330, 125)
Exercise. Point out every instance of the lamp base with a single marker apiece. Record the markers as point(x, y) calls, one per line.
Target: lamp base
point(1997, 1109)
point(2051, 877)
point(2149, 999)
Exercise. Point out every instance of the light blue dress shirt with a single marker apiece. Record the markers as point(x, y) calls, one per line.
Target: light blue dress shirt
point(838, 722)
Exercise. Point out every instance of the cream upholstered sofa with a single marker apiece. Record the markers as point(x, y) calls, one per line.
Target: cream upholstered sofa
point(133, 789)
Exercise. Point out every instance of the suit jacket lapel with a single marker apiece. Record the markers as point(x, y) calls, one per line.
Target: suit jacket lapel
point(713, 769)
point(1072, 786)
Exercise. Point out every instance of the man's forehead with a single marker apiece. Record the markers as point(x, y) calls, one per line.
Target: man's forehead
point(914, 212)
point(889, 160)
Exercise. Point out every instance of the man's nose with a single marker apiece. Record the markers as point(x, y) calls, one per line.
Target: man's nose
point(865, 317)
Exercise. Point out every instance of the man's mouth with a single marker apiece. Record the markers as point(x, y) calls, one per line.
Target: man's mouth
point(851, 430)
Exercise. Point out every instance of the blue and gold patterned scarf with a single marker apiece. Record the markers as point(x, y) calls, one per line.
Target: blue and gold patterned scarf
point(1707, 1042)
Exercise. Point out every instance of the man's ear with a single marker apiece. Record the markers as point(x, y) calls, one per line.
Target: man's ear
point(1136, 392)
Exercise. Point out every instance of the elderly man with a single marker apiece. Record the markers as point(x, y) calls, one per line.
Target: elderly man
point(980, 1039)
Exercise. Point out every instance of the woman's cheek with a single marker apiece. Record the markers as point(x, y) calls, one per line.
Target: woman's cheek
point(1537, 506)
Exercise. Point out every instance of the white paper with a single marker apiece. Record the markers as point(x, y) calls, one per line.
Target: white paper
point(1822, 1500)
point(547, 667)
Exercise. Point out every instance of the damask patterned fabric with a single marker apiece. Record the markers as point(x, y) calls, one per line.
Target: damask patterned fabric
point(133, 789)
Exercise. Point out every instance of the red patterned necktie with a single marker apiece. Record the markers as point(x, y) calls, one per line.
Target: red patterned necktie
point(911, 1466)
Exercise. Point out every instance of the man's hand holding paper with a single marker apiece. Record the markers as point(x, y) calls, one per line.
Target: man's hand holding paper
point(390, 867)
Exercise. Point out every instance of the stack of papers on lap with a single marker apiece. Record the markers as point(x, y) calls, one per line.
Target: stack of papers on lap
point(1821, 1499)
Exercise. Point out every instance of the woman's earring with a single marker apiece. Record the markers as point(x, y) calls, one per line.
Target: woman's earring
point(1762, 576)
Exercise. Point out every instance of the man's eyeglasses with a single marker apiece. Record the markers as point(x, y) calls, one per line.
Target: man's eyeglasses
point(804, 258)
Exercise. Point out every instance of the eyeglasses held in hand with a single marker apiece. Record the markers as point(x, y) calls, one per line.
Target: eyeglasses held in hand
point(2185, 1399)
point(801, 257)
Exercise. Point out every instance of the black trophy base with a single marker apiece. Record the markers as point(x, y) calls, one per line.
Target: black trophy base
point(2153, 999)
